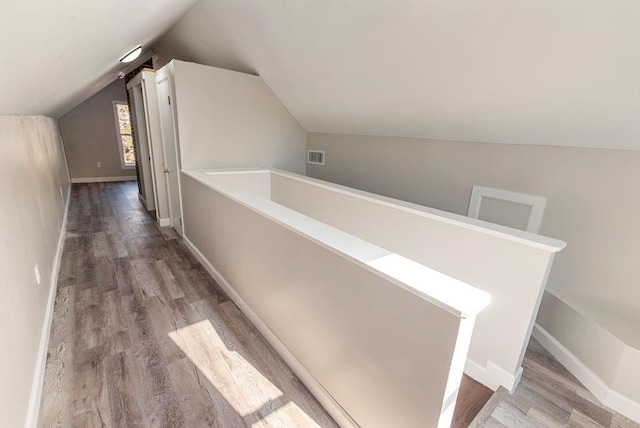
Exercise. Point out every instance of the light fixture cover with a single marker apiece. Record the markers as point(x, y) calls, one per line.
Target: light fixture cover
point(132, 54)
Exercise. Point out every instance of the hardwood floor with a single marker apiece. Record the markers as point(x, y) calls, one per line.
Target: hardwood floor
point(143, 337)
point(549, 396)
point(471, 399)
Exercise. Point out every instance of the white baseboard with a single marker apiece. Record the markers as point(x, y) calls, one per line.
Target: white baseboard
point(325, 399)
point(492, 376)
point(38, 377)
point(103, 179)
point(164, 222)
point(587, 377)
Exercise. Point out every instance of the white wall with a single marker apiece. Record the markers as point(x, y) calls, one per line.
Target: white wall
point(593, 197)
point(545, 72)
point(230, 119)
point(89, 133)
point(330, 311)
point(512, 268)
point(34, 186)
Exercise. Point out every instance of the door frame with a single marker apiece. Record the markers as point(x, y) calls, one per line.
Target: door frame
point(163, 75)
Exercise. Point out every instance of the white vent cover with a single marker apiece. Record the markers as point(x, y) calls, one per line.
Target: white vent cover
point(315, 157)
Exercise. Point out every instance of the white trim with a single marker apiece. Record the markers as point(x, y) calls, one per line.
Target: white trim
point(492, 376)
point(587, 377)
point(143, 200)
point(536, 203)
point(164, 222)
point(135, 81)
point(38, 376)
point(103, 179)
point(315, 151)
point(325, 399)
point(119, 135)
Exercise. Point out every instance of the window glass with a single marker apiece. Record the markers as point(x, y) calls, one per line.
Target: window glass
point(123, 121)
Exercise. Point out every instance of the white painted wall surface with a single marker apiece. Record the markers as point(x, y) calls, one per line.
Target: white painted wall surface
point(593, 198)
point(385, 355)
point(230, 119)
point(513, 271)
point(545, 72)
point(34, 188)
point(593, 201)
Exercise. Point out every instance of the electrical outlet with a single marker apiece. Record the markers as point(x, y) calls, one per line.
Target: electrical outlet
point(36, 270)
point(99, 164)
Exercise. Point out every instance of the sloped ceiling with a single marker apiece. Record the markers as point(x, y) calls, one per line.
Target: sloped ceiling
point(551, 72)
point(56, 54)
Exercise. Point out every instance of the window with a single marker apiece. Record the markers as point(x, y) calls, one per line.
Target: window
point(123, 129)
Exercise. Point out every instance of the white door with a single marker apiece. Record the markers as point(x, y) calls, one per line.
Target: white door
point(170, 153)
point(154, 133)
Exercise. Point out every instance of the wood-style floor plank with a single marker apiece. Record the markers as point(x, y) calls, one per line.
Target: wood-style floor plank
point(471, 398)
point(549, 396)
point(143, 337)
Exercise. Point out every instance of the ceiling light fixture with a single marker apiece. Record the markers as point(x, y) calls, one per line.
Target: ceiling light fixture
point(132, 54)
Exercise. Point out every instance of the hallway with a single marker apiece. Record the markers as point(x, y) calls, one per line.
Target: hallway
point(142, 336)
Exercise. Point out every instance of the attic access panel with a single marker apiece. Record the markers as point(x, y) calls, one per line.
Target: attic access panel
point(511, 209)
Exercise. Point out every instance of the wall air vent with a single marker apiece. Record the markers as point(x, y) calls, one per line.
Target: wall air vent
point(315, 157)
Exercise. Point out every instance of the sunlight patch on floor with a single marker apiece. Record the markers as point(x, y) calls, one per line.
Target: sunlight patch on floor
point(214, 351)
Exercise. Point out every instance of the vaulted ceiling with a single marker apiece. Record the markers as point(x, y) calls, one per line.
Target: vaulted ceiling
point(55, 54)
point(552, 72)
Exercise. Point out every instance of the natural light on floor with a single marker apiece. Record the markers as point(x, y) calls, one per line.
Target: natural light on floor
point(254, 397)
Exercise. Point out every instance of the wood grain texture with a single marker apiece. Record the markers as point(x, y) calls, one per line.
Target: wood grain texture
point(487, 409)
point(472, 397)
point(143, 337)
point(549, 396)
